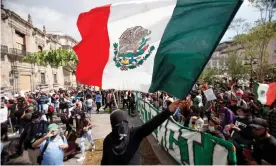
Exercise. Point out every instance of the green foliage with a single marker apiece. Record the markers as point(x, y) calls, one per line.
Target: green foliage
point(59, 57)
point(208, 75)
point(235, 66)
point(255, 43)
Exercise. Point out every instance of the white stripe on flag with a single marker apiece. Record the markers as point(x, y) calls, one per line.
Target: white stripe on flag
point(262, 91)
point(220, 154)
point(152, 15)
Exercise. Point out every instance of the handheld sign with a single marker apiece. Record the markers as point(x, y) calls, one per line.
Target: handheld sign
point(209, 94)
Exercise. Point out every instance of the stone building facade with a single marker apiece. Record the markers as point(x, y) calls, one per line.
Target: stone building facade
point(219, 57)
point(19, 38)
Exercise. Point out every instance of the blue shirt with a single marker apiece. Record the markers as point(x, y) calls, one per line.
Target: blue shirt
point(98, 98)
point(53, 155)
point(42, 99)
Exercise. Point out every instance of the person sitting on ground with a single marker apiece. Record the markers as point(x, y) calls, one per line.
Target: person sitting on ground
point(121, 146)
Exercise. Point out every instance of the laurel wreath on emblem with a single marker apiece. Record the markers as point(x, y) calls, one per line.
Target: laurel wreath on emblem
point(130, 52)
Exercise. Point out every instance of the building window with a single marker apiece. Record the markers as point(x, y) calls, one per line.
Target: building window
point(20, 41)
point(55, 78)
point(43, 78)
point(40, 49)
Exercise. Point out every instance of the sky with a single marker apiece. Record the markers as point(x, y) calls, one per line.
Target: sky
point(61, 15)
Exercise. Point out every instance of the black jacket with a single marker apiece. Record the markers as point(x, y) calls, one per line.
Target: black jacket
point(131, 156)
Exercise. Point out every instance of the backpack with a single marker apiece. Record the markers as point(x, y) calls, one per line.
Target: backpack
point(36, 131)
point(11, 151)
point(51, 109)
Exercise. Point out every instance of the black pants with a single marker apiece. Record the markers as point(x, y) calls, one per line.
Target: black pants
point(131, 108)
point(108, 105)
point(125, 103)
point(49, 116)
point(4, 130)
point(98, 104)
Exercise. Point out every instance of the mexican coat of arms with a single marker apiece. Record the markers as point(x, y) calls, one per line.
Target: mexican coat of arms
point(132, 50)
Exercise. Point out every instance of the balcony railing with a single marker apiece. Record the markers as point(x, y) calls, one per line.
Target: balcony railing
point(66, 47)
point(18, 52)
point(4, 49)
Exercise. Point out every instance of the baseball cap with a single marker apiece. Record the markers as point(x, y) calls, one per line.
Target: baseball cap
point(259, 123)
point(52, 126)
point(170, 99)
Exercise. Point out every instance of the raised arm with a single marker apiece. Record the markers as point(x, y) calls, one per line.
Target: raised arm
point(156, 121)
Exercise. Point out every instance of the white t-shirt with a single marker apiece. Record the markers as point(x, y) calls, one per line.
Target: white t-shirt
point(3, 114)
point(89, 103)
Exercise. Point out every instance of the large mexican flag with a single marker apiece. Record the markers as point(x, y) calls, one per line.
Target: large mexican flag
point(265, 93)
point(150, 45)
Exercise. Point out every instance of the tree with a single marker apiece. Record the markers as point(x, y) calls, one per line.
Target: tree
point(208, 75)
point(55, 58)
point(267, 9)
point(240, 26)
point(255, 44)
point(235, 65)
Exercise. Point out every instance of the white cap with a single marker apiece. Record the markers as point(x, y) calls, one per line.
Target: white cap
point(170, 99)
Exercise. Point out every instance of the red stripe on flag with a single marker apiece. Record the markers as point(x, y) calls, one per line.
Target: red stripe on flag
point(93, 50)
point(271, 93)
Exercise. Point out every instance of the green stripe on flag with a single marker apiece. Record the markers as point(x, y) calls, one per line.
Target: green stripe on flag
point(255, 89)
point(189, 40)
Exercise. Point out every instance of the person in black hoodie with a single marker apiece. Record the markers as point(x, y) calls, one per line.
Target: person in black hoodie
point(121, 146)
point(241, 135)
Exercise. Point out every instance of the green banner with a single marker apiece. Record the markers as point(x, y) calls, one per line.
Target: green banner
point(185, 145)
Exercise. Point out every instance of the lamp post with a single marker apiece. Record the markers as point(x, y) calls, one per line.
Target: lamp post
point(251, 61)
point(15, 76)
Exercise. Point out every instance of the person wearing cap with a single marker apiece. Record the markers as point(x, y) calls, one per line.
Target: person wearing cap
point(55, 143)
point(121, 146)
point(264, 145)
point(240, 100)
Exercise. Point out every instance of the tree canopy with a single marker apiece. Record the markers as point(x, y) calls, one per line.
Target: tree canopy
point(59, 57)
point(255, 44)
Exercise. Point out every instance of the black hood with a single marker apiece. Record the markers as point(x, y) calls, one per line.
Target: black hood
point(120, 132)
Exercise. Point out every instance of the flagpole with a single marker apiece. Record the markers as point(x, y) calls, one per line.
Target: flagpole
point(115, 100)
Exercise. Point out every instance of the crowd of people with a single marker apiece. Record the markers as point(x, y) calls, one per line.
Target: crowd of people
point(33, 116)
point(235, 115)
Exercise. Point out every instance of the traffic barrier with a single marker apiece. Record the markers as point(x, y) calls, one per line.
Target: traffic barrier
point(185, 145)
